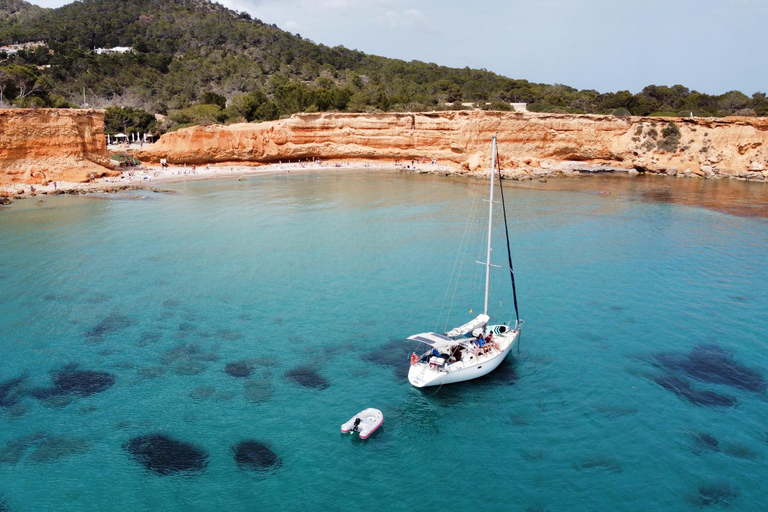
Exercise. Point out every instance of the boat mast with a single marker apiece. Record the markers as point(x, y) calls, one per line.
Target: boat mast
point(490, 227)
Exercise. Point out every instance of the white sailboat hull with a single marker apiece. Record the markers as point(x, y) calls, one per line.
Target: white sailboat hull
point(422, 374)
point(454, 357)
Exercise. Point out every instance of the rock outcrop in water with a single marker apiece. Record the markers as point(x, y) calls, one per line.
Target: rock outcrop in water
point(528, 143)
point(41, 145)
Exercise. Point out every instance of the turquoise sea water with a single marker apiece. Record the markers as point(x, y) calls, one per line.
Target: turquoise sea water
point(639, 384)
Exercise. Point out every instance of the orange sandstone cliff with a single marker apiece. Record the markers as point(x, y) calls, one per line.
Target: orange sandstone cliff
point(528, 143)
point(41, 145)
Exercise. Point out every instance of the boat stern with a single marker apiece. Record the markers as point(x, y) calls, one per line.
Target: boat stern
point(421, 375)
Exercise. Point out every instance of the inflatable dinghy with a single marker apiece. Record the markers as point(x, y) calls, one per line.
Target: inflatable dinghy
point(365, 422)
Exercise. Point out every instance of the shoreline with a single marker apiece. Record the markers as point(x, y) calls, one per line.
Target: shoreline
point(153, 176)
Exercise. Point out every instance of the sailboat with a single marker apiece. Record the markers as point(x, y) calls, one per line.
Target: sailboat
point(478, 347)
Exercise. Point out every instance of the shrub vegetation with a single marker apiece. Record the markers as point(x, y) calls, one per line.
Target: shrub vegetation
point(198, 62)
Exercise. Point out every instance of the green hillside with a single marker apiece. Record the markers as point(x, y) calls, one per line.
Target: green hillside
point(18, 11)
point(198, 62)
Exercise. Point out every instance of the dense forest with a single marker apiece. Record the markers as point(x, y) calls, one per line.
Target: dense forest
point(197, 62)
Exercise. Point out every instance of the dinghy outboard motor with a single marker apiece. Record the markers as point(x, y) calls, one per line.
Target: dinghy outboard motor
point(354, 427)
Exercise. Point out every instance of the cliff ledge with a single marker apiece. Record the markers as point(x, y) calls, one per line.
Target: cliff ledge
point(706, 147)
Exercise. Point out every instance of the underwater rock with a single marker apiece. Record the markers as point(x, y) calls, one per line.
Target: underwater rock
point(58, 298)
point(264, 361)
point(600, 463)
point(188, 368)
point(98, 298)
point(47, 448)
point(395, 354)
point(710, 363)
point(202, 393)
point(75, 382)
point(83, 383)
point(239, 369)
point(717, 494)
point(255, 456)
point(683, 389)
point(533, 455)
point(705, 442)
point(187, 351)
point(740, 451)
point(114, 322)
point(171, 303)
point(714, 365)
point(10, 392)
point(57, 447)
point(229, 335)
point(17, 411)
point(164, 455)
point(13, 450)
point(258, 391)
point(3, 504)
point(307, 377)
point(148, 338)
point(615, 411)
point(519, 420)
point(151, 372)
point(187, 329)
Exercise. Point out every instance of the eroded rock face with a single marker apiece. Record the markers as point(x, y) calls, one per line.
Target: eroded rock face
point(46, 144)
point(68, 144)
point(526, 140)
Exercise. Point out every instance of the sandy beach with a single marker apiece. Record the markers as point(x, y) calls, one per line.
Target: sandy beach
point(154, 176)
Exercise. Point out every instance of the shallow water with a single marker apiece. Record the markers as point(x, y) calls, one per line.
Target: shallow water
point(295, 281)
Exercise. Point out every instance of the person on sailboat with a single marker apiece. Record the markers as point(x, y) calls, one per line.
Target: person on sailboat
point(489, 343)
point(477, 344)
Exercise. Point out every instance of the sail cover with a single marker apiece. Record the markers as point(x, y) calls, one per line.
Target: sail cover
point(477, 323)
point(432, 339)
